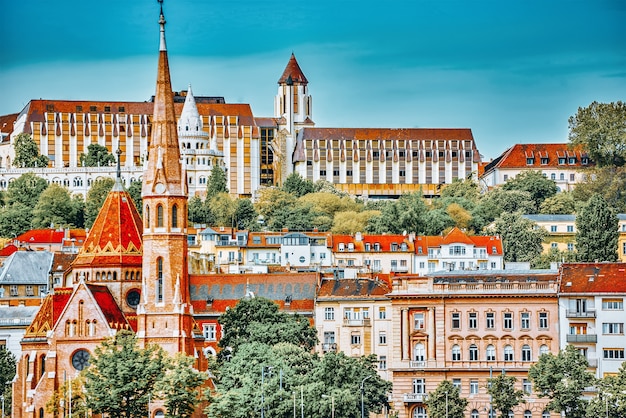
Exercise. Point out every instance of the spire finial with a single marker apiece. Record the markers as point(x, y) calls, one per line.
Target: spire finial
point(162, 46)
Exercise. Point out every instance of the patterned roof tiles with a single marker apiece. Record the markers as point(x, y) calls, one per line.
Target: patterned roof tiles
point(587, 278)
point(530, 156)
point(361, 134)
point(293, 73)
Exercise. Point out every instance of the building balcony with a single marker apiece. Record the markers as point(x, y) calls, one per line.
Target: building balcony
point(593, 362)
point(329, 347)
point(414, 364)
point(589, 313)
point(581, 338)
point(414, 397)
point(399, 269)
point(364, 322)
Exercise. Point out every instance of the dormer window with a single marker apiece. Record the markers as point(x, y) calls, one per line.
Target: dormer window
point(544, 160)
point(342, 247)
point(394, 246)
point(493, 250)
point(376, 246)
point(350, 246)
point(368, 246)
point(530, 161)
point(584, 160)
point(561, 160)
point(572, 160)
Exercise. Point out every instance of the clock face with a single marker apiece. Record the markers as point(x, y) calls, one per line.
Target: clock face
point(80, 359)
point(160, 188)
point(132, 298)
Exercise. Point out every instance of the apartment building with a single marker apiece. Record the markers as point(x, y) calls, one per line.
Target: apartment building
point(591, 310)
point(373, 253)
point(465, 327)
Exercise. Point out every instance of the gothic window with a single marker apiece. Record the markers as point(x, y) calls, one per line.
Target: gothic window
point(160, 216)
point(175, 216)
point(159, 289)
point(147, 211)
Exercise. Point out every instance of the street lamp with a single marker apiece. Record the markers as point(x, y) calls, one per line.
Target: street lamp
point(362, 392)
point(332, 404)
point(269, 370)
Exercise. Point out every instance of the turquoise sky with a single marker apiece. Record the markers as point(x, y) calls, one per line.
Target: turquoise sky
point(512, 71)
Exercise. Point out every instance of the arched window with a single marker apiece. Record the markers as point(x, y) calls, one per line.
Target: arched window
point(147, 212)
point(420, 412)
point(175, 216)
point(473, 352)
point(510, 414)
point(508, 353)
point(159, 289)
point(526, 353)
point(474, 414)
point(419, 352)
point(160, 216)
point(42, 365)
point(528, 414)
point(545, 414)
point(456, 353)
point(491, 353)
point(543, 349)
point(41, 415)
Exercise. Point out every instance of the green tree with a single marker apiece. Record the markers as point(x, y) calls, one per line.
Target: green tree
point(256, 319)
point(350, 222)
point(78, 206)
point(297, 186)
point(97, 156)
point(199, 212)
point(445, 401)
point(498, 201)
point(134, 190)
point(272, 199)
point(246, 216)
point(223, 207)
point(467, 189)
point(26, 190)
point(437, 221)
point(562, 378)
point(217, 183)
point(180, 387)
point(610, 182)
point(504, 396)
point(611, 399)
point(600, 128)
point(27, 152)
point(533, 182)
point(58, 404)
point(7, 372)
point(55, 208)
point(405, 214)
point(122, 377)
point(96, 196)
point(297, 217)
point(520, 240)
point(597, 231)
point(554, 255)
point(330, 203)
point(560, 204)
point(14, 220)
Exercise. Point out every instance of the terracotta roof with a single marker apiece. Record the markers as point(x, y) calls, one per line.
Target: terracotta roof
point(42, 236)
point(593, 278)
point(517, 156)
point(360, 134)
point(353, 288)
point(6, 125)
point(225, 290)
point(458, 236)
point(293, 73)
point(8, 250)
point(384, 241)
point(51, 308)
point(109, 307)
point(116, 235)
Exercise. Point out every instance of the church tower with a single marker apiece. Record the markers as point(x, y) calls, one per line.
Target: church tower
point(164, 314)
point(293, 109)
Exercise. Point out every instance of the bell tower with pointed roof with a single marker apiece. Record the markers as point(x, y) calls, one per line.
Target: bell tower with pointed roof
point(293, 109)
point(164, 313)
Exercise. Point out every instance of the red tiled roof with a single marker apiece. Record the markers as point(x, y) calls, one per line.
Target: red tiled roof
point(41, 236)
point(293, 73)
point(116, 235)
point(384, 241)
point(47, 316)
point(361, 134)
point(109, 307)
point(6, 124)
point(353, 288)
point(458, 236)
point(593, 278)
point(517, 155)
point(8, 250)
point(225, 290)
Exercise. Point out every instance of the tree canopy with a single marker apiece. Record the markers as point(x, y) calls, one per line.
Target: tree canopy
point(601, 129)
point(504, 396)
point(257, 319)
point(562, 378)
point(27, 152)
point(55, 208)
point(26, 190)
point(296, 185)
point(217, 183)
point(122, 377)
point(533, 182)
point(597, 231)
point(446, 401)
point(97, 156)
point(520, 240)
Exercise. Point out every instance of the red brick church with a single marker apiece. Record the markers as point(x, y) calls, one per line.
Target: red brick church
point(130, 274)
